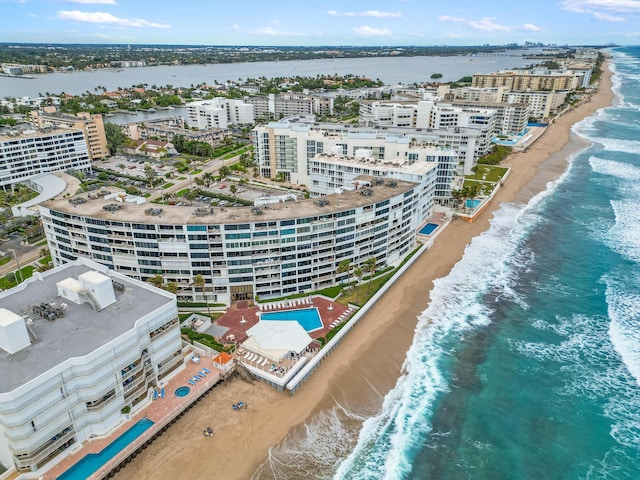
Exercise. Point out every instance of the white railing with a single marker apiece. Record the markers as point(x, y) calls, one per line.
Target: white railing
point(306, 370)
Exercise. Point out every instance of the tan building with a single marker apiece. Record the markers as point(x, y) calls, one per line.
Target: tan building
point(92, 127)
point(524, 81)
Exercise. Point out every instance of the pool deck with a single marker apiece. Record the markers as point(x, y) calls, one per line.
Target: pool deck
point(161, 411)
point(242, 316)
point(237, 329)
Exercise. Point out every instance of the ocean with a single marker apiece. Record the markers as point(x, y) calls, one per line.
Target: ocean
point(526, 362)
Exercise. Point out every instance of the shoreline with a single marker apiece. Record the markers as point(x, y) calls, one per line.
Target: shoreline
point(369, 361)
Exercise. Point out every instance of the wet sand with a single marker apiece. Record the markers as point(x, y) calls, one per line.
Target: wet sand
point(368, 362)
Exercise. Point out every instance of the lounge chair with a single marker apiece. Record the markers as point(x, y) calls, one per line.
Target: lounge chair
point(162, 393)
point(247, 355)
point(191, 382)
point(195, 379)
point(264, 362)
point(203, 373)
point(200, 376)
point(206, 370)
point(155, 394)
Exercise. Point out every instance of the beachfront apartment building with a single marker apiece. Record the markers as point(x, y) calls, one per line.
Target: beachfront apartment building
point(218, 112)
point(285, 148)
point(287, 246)
point(26, 154)
point(290, 104)
point(328, 172)
point(541, 104)
point(529, 80)
point(78, 343)
point(425, 114)
point(91, 125)
point(509, 119)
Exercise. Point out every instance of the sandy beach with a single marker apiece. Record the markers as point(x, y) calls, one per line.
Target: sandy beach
point(368, 363)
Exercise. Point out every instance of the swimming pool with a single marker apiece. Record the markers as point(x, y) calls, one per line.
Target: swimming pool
point(308, 318)
point(182, 391)
point(428, 228)
point(92, 462)
point(473, 203)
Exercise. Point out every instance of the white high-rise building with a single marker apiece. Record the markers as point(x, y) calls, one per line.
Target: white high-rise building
point(78, 343)
point(24, 155)
point(285, 148)
point(219, 113)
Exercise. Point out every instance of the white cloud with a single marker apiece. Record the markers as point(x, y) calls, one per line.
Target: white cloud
point(487, 24)
point(606, 17)
point(93, 2)
point(367, 31)
point(530, 27)
point(588, 6)
point(275, 33)
point(107, 18)
point(368, 13)
point(236, 27)
point(447, 18)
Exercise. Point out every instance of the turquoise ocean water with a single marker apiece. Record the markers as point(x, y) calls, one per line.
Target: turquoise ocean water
point(526, 364)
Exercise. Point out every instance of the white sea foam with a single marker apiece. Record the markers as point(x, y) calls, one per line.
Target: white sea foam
point(388, 442)
point(618, 145)
point(624, 236)
point(623, 302)
point(614, 168)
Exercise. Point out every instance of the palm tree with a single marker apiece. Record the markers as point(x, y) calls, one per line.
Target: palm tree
point(358, 273)
point(370, 267)
point(156, 280)
point(171, 287)
point(207, 178)
point(344, 266)
point(190, 195)
point(198, 281)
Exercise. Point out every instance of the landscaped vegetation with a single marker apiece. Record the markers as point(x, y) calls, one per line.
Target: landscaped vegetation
point(497, 155)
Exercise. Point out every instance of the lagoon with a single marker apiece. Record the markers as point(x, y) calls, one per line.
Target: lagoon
point(391, 70)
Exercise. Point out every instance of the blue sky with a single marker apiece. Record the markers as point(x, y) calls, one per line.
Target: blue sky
point(320, 22)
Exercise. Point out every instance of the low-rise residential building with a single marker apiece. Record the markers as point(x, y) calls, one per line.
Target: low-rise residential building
point(150, 148)
point(78, 343)
point(91, 125)
point(169, 128)
point(25, 154)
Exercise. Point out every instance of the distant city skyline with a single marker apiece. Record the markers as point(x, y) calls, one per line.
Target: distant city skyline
point(320, 22)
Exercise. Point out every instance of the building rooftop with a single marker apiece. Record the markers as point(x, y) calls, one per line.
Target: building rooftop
point(181, 215)
point(31, 132)
point(79, 332)
point(394, 165)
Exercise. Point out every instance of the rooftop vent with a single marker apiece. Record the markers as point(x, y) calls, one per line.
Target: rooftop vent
point(156, 212)
point(14, 335)
point(112, 207)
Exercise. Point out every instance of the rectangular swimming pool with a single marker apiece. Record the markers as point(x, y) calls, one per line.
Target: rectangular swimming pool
point(308, 318)
point(90, 464)
point(473, 203)
point(428, 228)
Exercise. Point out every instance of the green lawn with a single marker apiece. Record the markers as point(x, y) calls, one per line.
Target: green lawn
point(25, 272)
point(167, 185)
point(485, 188)
point(488, 173)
